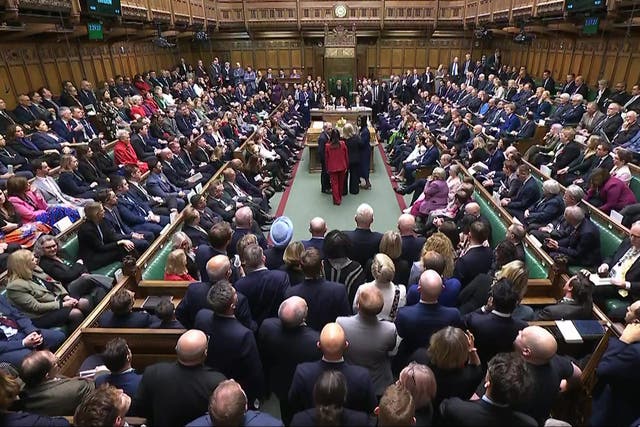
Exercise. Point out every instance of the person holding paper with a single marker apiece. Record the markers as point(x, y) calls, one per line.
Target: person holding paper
point(31, 206)
point(624, 271)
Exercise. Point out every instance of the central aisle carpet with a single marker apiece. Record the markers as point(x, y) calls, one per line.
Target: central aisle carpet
point(304, 200)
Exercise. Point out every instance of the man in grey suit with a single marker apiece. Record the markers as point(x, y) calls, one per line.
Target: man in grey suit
point(370, 340)
point(48, 187)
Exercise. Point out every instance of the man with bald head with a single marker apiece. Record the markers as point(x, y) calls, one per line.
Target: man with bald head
point(416, 323)
point(228, 407)
point(317, 228)
point(287, 331)
point(244, 226)
point(411, 243)
point(174, 393)
point(550, 373)
point(195, 298)
point(365, 243)
point(332, 343)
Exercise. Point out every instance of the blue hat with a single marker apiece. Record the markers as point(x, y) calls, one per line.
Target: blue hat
point(281, 231)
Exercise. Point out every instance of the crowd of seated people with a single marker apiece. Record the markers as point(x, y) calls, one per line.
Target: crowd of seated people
point(182, 139)
point(458, 313)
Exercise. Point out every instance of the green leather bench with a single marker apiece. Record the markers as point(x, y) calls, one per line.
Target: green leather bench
point(72, 248)
point(635, 186)
point(155, 267)
point(498, 233)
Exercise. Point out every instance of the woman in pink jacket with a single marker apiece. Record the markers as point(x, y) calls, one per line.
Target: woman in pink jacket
point(31, 206)
point(435, 194)
point(607, 192)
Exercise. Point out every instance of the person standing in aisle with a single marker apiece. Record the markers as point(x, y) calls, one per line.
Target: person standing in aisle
point(337, 160)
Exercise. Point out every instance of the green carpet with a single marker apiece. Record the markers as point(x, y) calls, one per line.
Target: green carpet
point(305, 201)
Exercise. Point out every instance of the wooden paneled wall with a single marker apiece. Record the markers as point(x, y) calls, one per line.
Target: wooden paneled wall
point(28, 66)
point(615, 59)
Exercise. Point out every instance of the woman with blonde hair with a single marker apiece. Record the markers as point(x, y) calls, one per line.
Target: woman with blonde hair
point(176, 267)
point(421, 383)
point(353, 143)
point(454, 360)
point(474, 295)
point(39, 297)
point(394, 295)
point(291, 259)
point(437, 242)
point(391, 245)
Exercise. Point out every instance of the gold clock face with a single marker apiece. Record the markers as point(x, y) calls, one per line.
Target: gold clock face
point(340, 11)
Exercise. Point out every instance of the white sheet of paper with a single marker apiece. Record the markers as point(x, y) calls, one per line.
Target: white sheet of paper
point(616, 217)
point(118, 274)
point(63, 224)
point(599, 281)
point(199, 188)
point(569, 331)
point(535, 241)
point(545, 170)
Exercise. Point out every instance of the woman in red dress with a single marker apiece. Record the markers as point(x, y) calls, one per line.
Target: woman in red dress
point(337, 159)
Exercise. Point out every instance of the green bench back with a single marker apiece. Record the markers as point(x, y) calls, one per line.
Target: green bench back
point(609, 239)
point(498, 233)
point(71, 248)
point(155, 267)
point(635, 186)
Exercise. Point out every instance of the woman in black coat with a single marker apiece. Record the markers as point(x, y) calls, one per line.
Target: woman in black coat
point(353, 143)
point(74, 276)
point(89, 169)
point(101, 158)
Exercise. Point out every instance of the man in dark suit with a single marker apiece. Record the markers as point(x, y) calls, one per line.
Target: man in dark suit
point(114, 221)
point(411, 243)
point(633, 104)
point(582, 246)
point(140, 194)
point(158, 185)
point(265, 289)
point(176, 393)
point(195, 298)
point(364, 242)
point(576, 303)
point(508, 381)
point(494, 62)
point(492, 326)
point(19, 337)
point(117, 358)
point(614, 400)
point(289, 331)
point(317, 228)
point(6, 118)
point(416, 323)
point(611, 122)
point(323, 138)
point(244, 225)
point(233, 349)
point(325, 300)
point(332, 343)
point(527, 195)
point(548, 83)
point(602, 95)
point(624, 270)
point(136, 215)
point(121, 314)
point(477, 258)
point(628, 130)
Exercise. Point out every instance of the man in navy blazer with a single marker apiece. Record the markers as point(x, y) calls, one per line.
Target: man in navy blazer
point(117, 358)
point(615, 400)
point(195, 298)
point(325, 300)
point(492, 326)
point(477, 258)
point(317, 228)
point(332, 343)
point(582, 246)
point(508, 381)
point(428, 158)
point(136, 214)
point(416, 323)
point(113, 220)
point(232, 347)
point(18, 337)
point(364, 242)
point(66, 127)
point(527, 195)
point(411, 243)
point(265, 289)
point(158, 185)
point(121, 314)
point(289, 330)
